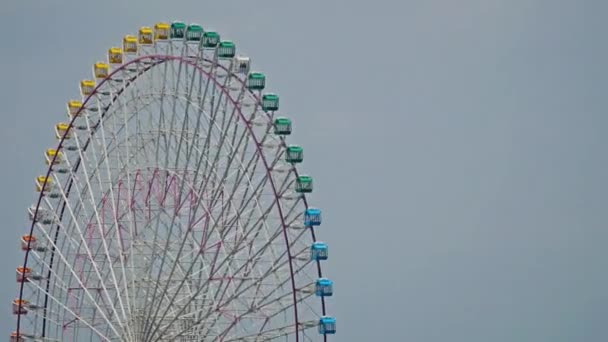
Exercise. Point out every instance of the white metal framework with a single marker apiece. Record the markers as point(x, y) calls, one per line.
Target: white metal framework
point(169, 211)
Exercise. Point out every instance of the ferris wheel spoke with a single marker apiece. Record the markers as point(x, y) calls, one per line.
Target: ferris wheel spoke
point(264, 277)
point(105, 160)
point(219, 288)
point(67, 298)
point(255, 316)
point(129, 200)
point(58, 302)
point(85, 147)
point(186, 111)
point(68, 266)
point(179, 252)
point(59, 284)
point(212, 265)
point(165, 165)
point(128, 158)
point(271, 272)
point(96, 264)
point(83, 240)
point(157, 151)
point(215, 110)
point(189, 271)
point(87, 188)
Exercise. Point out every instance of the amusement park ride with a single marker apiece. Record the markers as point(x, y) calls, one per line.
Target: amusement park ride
point(171, 208)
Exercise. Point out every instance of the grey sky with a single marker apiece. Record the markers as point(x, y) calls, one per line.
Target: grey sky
point(458, 148)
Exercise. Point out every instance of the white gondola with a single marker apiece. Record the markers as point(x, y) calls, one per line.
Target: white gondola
point(241, 65)
point(43, 216)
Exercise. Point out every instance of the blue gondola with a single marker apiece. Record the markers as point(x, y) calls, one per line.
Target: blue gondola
point(324, 287)
point(318, 251)
point(312, 217)
point(327, 325)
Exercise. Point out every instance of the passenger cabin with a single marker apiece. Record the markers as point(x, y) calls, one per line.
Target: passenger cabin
point(226, 49)
point(146, 36)
point(194, 33)
point(115, 55)
point(282, 126)
point(87, 87)
point(161, 31)
point(28, 242)
point(62, 129)
point(241, 65)
point(43, 216)
point(270, 102)
point(16, 338)
point(319, 251)
point(324, 287)
point(74, 107)
point(294, 154)
point(23, 273)
point(129, 44)
point(210, 39)
point(53, 156)
point(43, 183)
point(312, 217)
point(20, 306)
point(101, 70)
point(256, 81)
point(178, 30)
point(304, 184)
point(327, 325)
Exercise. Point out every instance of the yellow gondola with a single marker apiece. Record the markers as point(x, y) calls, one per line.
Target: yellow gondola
point(146, 36)
point(129, 44)
point(161, 31)
point(53, 153)
point(43, 183)
point(87, 87)
point(101, 70)
point(74, 107)
point(115, 55)
point(62, 129)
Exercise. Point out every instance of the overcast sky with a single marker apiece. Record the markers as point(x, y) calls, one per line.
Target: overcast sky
point(458, 148)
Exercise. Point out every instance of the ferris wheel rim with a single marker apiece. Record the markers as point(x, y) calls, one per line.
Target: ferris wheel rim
point(159, 58)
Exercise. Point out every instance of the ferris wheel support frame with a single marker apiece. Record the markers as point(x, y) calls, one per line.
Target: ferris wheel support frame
point(158, 59)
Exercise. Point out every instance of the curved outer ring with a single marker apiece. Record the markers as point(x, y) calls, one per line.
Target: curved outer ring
point(186, 60)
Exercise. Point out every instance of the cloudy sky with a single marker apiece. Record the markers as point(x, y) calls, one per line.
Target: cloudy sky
point(458, 148)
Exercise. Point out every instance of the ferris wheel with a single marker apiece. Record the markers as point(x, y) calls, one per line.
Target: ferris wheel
point(171, 208)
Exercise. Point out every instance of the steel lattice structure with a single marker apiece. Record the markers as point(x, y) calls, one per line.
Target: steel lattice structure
point(171, 209)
